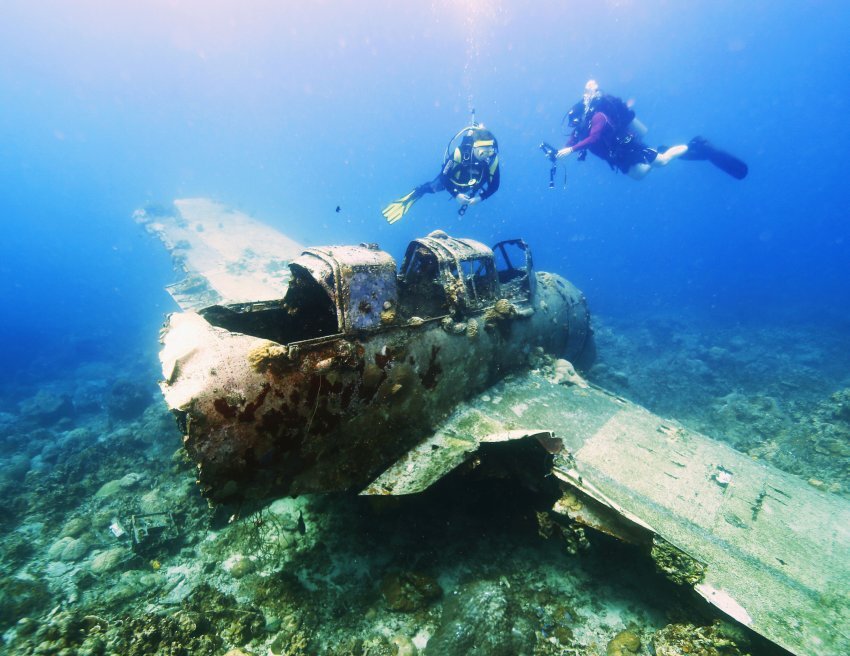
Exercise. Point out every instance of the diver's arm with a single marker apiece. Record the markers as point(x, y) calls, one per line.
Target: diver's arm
point(597, 125)
point(492, 184)
point(568, 148)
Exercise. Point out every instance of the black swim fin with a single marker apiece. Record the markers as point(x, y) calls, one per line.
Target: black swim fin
point(700, 149)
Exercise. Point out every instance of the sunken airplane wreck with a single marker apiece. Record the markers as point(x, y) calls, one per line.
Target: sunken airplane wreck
point(294, 370)
point(326, 387)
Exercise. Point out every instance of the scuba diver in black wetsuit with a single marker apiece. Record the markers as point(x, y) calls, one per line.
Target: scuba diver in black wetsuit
point(607, 127)
point(470, 173)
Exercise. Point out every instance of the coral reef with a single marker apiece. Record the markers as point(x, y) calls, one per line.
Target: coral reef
point(625, 643)
point(481, 619)
point(128, 399)
point(45, 407)
point(719, 639)
point(264, 538)
point(676, 565)
point(564, 373)
point(21, 596)
point(65, 632)
point(503, 309)
point(409, 591)
point(269, 355)
point(464, 569)
point(205, 621)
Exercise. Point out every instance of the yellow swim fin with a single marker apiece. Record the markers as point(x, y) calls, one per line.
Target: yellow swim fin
point(397, 209)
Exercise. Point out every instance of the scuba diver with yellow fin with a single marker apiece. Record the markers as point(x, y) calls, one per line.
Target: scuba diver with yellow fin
point(470, 172)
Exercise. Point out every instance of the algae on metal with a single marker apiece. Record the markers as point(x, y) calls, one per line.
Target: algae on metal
point(326, 386)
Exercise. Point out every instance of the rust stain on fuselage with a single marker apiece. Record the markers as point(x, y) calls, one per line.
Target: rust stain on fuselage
point(429, 378)
point(322, 389)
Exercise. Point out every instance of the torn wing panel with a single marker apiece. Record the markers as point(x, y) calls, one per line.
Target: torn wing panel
point(453, 443)
point(227, 256)
point(773, 552)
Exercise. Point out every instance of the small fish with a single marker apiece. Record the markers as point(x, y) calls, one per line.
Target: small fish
point(338, 209)
point(302, 527)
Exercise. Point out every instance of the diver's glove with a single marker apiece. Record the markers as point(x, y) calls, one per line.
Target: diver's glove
point(463, 199)
point(397, 209)
point(564, 152)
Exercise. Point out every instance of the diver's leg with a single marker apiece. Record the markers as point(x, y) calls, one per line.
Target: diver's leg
point(397, 209)
point(437, 184)
point(431, 187)
point(637, 160)
point(669, 155)
point(654, 159)
point(639, 171)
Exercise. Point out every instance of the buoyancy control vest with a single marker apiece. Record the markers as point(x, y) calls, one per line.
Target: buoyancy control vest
point(618, 112)
point(463, 172)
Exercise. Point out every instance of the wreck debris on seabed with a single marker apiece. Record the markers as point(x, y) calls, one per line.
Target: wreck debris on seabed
point(359, 378)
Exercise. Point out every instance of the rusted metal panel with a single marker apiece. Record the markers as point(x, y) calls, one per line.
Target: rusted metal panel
point(325, 387)
point(359, 280)
point(330, 413)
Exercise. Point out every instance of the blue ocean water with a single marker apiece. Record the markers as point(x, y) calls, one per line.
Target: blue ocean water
point(722, 303)
point(288, 111)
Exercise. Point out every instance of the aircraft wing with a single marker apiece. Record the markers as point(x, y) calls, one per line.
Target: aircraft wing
point(226, 256)
point(759, 544)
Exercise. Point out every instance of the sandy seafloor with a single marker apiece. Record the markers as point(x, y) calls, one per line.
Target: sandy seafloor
point(462, 569)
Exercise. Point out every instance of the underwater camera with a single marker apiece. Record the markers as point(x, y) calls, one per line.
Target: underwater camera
point(552, 155)
point(549, 151)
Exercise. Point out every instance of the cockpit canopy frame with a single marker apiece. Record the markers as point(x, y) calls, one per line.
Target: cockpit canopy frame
point(445, 275)
point(360, 282)
point(345, 290)
point(515, 268)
